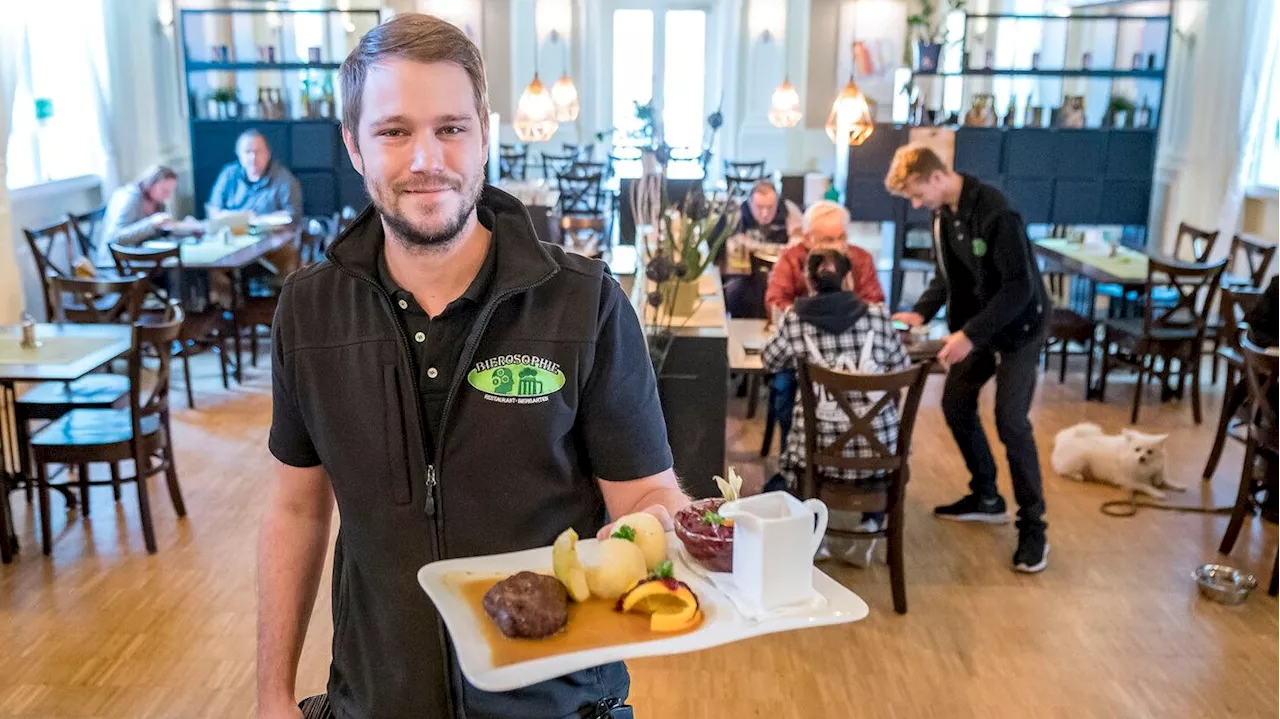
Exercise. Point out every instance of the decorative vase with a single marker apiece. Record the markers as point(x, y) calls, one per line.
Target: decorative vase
point(928, 55)
point(683, 297)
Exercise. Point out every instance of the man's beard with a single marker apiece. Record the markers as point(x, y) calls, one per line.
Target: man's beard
point(413, 236)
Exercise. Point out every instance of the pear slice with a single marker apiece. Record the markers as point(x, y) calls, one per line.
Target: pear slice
point(567, 568)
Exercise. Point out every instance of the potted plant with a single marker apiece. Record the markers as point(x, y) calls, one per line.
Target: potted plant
point(929, 31)
point(228, 102)
point(1119, 112)
point(676, 253)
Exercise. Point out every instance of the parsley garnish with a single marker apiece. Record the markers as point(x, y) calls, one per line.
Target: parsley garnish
point(625, 532)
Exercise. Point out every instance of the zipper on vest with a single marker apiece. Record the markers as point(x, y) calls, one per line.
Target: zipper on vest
point(430, 508)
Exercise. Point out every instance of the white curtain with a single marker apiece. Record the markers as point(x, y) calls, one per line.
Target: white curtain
point(1229, 40)
point(93, 43)
point(10, 291)
point(1260, 46)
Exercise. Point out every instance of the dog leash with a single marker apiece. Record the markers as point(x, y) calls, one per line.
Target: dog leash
point(1129, 507)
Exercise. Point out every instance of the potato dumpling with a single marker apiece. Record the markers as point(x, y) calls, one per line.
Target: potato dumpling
point(620, 566)
point(649, 537)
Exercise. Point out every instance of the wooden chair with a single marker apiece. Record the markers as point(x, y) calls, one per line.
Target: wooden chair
point(86, 301)
point(512, 162)
point(1067, 326)
point(1235, 304)
point(1168, 332)
point(86, 229)
point(884, 495)
point(1260, 372)
point(259, 310)
point(761, 265)
point(1247, 263)
point(201, 331)
point(740, 177)
point(55, 249)
point(1201, 242)
point(140, 433)
point(554, 165)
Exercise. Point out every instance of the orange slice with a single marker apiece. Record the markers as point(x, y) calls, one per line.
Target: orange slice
point(670, 604)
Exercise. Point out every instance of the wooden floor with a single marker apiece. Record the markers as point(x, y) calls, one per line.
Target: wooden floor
point(1114, 628)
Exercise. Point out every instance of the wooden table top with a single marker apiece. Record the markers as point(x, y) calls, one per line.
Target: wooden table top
point(1127, 267)
point(68, 351)
point(744, 333)
point(247, 250)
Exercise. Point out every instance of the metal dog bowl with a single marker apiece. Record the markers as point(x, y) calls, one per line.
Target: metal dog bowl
point(1223, 584)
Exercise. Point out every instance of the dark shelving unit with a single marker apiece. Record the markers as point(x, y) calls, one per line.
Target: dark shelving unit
point(1095, 175)
point(310, 146)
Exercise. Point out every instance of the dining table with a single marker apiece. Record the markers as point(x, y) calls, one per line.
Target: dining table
point(63, 353)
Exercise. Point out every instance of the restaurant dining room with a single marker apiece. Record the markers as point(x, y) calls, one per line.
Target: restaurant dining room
point(601, 359)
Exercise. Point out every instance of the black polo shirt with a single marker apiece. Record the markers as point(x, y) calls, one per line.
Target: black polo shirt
point(957, 233)
point(436, 342)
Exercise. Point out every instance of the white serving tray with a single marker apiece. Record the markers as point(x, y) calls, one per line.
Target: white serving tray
point(723, 622)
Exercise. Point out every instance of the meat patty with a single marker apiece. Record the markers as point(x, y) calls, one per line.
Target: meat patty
point(528, 605)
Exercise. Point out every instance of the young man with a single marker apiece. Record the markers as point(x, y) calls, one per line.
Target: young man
point(392, 394)
point(254, 182)
point(996, 305)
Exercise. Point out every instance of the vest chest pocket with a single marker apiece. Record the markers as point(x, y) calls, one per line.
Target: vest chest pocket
point(395, 436)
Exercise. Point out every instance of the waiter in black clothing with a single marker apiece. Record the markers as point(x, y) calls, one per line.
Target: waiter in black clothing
point(996, 310)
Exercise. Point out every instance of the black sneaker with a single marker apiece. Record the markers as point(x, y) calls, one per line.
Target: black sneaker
point(971, 508)
point(1032, 554)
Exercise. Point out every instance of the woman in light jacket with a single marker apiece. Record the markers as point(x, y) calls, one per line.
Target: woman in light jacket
point(137, 211)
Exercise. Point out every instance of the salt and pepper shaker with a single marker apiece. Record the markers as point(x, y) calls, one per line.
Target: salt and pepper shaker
point(28, 332)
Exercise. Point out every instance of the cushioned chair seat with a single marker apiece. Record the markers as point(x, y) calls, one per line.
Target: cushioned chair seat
point(93, 427)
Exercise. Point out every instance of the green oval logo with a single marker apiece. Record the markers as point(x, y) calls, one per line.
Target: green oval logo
point(516, 380)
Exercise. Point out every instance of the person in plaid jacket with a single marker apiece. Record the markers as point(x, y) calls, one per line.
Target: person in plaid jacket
point(833, 328)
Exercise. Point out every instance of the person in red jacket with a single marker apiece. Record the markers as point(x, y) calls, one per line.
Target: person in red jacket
point(825, 226)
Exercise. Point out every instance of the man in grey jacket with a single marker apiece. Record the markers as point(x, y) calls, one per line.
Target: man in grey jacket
point(255, 182)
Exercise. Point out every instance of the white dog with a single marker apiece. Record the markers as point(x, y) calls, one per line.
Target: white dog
point(1131, 459)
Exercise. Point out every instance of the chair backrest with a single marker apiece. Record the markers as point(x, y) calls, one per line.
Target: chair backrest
point(317, 234)
point(153, 339)
point(55, 249)
point(86, 227)
point(92, 300)
point(1260, 370)
point(740, 177)
point(511, 162)
point(154, 264)
point(1194, 286)
point(861, 426)
point(582, 152)
point(581, 190)
point(762, 264)
point(1256, 255)
point(555, 165)
point(1234, 305)
point(1202, 242)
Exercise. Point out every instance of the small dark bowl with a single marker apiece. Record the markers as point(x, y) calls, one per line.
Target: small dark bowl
point(710, 545)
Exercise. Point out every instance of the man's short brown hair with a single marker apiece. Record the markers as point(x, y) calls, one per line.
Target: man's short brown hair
point(911, 162)
point(417, 37)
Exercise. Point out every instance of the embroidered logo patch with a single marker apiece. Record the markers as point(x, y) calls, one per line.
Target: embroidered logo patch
point(516, 379)
point(979, 247)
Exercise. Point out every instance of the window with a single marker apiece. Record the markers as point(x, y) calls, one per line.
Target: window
point(1266, 156)
point(55, 132)
point(661, 55)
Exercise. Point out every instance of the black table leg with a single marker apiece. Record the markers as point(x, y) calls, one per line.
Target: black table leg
point(235, 321)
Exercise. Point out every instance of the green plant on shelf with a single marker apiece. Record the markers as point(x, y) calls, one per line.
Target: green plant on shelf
point(927, 26)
